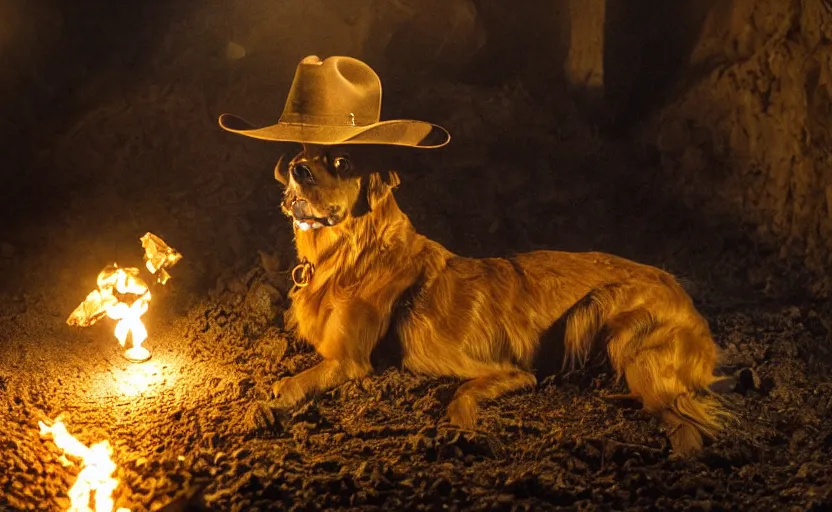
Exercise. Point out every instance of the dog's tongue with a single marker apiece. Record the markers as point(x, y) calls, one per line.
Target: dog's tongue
point(300, 209)
point(304, 217)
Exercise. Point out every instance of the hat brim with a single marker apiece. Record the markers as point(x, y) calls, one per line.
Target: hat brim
point(399, 132)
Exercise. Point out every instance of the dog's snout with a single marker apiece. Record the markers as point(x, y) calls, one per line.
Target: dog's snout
point(302, 173)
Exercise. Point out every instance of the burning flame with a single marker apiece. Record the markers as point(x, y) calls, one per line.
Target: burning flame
point(129, 316)
point(123, 296)
point(95, 482)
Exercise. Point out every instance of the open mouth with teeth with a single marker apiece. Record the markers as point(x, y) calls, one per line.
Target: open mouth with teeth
point(307, 224)
point(304, 218)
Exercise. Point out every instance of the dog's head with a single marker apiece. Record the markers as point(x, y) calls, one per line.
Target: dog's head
point(327, 185)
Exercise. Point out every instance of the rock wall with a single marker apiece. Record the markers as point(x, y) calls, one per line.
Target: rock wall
point(747, 134)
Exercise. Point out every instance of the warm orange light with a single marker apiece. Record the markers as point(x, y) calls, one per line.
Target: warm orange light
point(93, 490)
point(123, 296)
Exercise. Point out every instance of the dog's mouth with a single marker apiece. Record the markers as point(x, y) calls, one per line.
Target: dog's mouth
point(305, 219)
point(307, 224)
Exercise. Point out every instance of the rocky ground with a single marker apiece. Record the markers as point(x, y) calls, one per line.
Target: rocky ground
point(177, 426)
point(522, 172)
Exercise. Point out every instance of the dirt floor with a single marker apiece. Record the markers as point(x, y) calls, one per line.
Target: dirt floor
point(522, 172)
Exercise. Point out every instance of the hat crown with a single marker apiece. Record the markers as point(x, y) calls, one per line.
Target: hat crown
point(338, 91)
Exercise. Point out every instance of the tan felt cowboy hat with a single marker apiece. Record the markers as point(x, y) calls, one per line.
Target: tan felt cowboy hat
point(338, 101)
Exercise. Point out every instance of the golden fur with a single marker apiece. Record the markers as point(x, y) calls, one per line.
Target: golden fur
point(495, 322)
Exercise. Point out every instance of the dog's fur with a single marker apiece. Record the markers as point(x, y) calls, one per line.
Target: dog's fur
point(498, 323)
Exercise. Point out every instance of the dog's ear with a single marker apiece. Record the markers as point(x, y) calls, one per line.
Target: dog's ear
point(281, 170)
point(379, 186)
point(374, 188)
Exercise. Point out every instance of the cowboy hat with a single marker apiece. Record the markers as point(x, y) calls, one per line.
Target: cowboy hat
point(338, 101)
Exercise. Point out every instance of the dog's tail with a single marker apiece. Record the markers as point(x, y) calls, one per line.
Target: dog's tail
point(662, 347)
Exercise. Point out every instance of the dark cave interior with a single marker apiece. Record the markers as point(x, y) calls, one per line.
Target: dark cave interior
point(691, 135)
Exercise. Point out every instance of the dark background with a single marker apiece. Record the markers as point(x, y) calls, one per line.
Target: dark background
point(708, 119)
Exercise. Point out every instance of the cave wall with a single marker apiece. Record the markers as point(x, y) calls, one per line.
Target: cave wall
point(733, 95)
point(108, 96)
point(746, 134)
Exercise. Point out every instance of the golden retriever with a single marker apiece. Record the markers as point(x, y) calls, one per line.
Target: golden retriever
point(368, 277)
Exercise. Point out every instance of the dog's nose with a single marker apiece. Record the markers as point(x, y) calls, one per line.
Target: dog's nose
point(300, 209)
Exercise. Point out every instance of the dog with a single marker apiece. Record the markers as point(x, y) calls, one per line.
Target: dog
point(368, 280)
point(368, 273)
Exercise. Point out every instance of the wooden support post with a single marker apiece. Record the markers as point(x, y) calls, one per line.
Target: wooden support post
point(584, 63)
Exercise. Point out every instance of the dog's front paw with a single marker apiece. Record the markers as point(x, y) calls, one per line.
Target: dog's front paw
point(287, 393)
point(462, 412)
point(260, 416)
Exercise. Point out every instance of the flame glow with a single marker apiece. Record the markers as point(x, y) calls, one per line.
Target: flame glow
point(138, 379)
point(123, 296)
point(129, 316)
point(95, 481)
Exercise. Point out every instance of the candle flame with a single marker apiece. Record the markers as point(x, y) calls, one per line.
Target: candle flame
point(95, 483)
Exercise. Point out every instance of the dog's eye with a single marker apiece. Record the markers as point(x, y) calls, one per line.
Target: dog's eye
point(302, 174)
point(341, 165)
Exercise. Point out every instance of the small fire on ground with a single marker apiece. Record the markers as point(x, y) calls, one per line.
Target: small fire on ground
point(93, 490)
point(124, 296)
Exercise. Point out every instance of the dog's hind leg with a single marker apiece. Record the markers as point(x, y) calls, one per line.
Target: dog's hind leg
point(669, 364)
point(462, 410)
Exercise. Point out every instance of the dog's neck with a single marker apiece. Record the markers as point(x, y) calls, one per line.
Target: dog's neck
point(344, 245)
